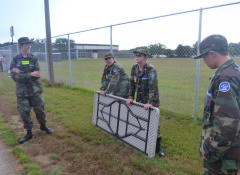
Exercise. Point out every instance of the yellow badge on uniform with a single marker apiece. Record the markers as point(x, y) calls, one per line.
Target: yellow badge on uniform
point(135, 79)
point(25, 62)
point(106, 77)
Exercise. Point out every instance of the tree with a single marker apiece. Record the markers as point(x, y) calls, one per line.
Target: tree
point(156, 49)
point(60, 48)
point(6, 44)
point(184, 51)
point(38, 45)
point(169, 53)
point(62, 44)
point(195, 47)
point(234, 49)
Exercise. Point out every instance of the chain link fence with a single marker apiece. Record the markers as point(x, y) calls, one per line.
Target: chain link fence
point(78, 57)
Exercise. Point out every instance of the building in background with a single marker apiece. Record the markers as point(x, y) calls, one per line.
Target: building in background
point(94, 51)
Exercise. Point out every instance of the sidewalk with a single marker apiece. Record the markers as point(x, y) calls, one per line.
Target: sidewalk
point(8, 163)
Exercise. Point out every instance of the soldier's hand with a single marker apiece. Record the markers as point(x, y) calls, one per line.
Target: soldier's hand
point(129, 102)
point(102, 93)
point(15, 70)
point(204, 157)
point(147, 106)
point(35, 74)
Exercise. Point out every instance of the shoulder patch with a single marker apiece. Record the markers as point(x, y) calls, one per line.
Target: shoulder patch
point(115, 70)
point(224, 87)
point(152, 74)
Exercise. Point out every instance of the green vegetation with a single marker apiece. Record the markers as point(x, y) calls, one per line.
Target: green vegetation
point(73, 108)
point(56, 172)
point(89, 146)
point(177, 80)
point(11, 139)
point(7, 133)
point(53, 156)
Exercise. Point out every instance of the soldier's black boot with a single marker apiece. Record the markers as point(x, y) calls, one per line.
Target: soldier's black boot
point(158, 148)
point(27, 137)
point(45, 128)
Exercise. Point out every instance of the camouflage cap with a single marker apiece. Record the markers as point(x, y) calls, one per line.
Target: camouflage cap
point(108, 55)
point(216, 43)
point(141, 50)
point(24, 40)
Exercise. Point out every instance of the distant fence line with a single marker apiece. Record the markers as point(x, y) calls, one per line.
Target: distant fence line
point(66, 56)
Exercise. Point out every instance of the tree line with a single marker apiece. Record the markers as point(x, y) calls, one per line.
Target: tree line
point(159, 50)
point(154, 50)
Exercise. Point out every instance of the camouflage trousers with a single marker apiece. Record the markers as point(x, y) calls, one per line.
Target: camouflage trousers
point(215, 168)
point(158, 132)
point(24, 106)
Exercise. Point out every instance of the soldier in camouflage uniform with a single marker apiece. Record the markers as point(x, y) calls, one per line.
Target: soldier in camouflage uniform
point(144, 82)
point(115, 81)
point(220, 140)
point(25, 72)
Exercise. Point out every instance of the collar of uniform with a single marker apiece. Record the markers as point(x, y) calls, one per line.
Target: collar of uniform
point(111, 65)
point(28, 56)
point(224, 65)
point(144, 67)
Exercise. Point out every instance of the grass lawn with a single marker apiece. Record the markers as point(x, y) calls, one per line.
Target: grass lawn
point(87, 148)
point(176, 78)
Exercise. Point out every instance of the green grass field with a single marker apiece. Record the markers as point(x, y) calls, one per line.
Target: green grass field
point(91, 148)
point(73, 109)
point(177, 80)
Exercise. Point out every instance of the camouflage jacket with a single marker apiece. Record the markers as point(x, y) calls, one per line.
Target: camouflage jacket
point(26, 85)
point(221, 120)
point(145, 84)
point(115, 80)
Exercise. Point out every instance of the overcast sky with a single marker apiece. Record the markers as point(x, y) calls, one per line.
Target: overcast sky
point(68, 16)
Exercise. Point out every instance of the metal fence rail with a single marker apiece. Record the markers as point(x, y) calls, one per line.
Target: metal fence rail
point(183, 81)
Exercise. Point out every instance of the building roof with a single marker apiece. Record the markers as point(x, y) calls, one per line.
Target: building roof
point(95, 47)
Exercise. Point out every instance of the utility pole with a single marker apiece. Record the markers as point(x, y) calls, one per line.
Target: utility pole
point(49, 43)
point(12, 33)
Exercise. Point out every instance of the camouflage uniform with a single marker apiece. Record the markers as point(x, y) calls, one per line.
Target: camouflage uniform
point(145, 84)
point(115, 80)
point(220, 142)
point(28, 89)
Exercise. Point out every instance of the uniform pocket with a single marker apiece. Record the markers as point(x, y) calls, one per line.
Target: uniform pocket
point(207, 116)
point(207, 119)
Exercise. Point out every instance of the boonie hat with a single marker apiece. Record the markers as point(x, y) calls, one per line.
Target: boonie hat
point(24, 40)
point(216, 43)
point(108, 55)
point(141, 50)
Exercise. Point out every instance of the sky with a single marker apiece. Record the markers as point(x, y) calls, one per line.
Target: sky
point(70, 16)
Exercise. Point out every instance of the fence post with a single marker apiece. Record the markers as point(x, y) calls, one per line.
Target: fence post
point(69, 61)
point(46, 59)
point(111, 47)
point(10, 53)
point(198, 65)
point(49, 43)
point(17, 49)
